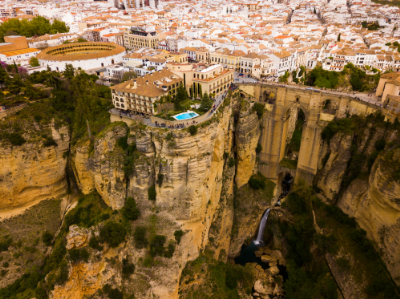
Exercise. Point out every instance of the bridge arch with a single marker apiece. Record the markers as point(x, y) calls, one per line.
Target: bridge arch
point(329, 106)
point(294, 120)
point(269, 96)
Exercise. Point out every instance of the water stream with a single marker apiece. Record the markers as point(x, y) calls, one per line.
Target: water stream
point(247, 253)
point(260, 235)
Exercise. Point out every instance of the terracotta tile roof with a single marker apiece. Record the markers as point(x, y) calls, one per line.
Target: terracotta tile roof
point(153, 87)
point(20, 52)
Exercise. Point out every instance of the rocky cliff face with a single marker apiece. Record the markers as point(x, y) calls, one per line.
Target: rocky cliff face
point(188, 175)
point(372, 197)
point(375, 204)
point(246, 137)
point(32, 172)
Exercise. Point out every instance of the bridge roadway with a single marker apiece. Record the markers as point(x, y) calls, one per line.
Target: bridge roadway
point(368, 98)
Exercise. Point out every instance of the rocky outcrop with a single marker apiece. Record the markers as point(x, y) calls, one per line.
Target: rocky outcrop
point(32, 172)
point(246, 137)
point(77, 237)
point(187, 172)
point(332, 172)
point(371, 198)
point(375, 205)
point(81, 168)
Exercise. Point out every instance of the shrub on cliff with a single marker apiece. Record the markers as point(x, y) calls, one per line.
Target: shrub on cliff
point(16, 139)
point(258, 148)
point(192, 130)
point(178, 235)
point(112, 293)
point(95, 244)
point(130, 210)
point(113, 233)
point(259, 109)
point(157, 245)
point(5, 243)
point(47, 238)
point(140, 237)
point(256, 183)
point(170, 250)
point(127, 268)
point(78, 255)
point(152, 193)
point(49, 142)
point(231, 162)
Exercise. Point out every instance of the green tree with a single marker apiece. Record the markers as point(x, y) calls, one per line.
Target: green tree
point(192, 130)
point(34, 62)
point(59, 27)
point(37, 26)
point(113, 233)
point(181, 96)
point(47, 238)
point(130, 210)
point(81, 40)
point(157, 245)
point(140, 237)
point(338, 38)
point(206, 103)
point(194, 90)
point(69, 72)
point(152, 193)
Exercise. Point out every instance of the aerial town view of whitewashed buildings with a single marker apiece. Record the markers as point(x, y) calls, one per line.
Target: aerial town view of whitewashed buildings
point(205, 45)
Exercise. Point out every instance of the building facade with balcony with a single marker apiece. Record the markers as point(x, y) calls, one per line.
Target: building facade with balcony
point(136, 37)
point(228, 58)
point(214, 79)
point(139, 95)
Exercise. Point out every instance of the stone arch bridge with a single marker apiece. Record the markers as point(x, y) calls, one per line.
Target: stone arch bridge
point(279, 120)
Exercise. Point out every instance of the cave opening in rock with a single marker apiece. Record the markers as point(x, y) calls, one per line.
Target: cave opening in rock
point(286, 185)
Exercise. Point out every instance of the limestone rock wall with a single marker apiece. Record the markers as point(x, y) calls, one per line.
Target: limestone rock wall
point(331, 174)
point(188, 194)
point(375, 205)
point(372, 200)
point(246, 137)
point(32, 172)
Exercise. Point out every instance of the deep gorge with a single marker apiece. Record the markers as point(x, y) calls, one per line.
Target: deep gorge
point(202, 198)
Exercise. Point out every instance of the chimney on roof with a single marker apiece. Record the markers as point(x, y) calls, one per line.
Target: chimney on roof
point(147, 82)
point(134, 84)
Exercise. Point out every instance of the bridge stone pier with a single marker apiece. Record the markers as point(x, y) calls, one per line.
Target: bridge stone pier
point(279, 121)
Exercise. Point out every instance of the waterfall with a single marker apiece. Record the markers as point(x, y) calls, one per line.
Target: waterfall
point(263, 222)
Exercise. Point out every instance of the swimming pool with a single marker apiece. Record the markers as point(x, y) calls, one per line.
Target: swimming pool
point(185, 115)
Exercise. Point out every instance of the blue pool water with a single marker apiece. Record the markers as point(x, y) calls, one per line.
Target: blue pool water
point(184, 116)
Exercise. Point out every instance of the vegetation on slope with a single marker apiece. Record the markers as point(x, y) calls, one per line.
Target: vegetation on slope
point(21, 246)
point(309, 276)
point(361, 161)
point(358, 255)
point(75, 99)
point(206, 277)
point(351, 76)
point(89, 211)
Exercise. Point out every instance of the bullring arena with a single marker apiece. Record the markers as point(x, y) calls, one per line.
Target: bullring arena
point(86, 55)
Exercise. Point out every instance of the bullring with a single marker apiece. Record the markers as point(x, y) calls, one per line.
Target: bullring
point(86, 55)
